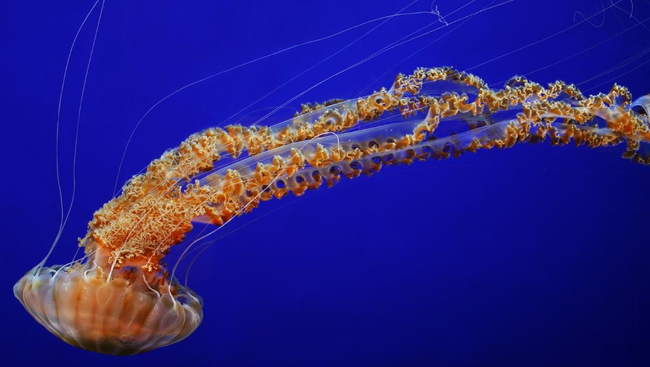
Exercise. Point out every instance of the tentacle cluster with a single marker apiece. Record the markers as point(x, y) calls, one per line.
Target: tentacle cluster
point(349, 138)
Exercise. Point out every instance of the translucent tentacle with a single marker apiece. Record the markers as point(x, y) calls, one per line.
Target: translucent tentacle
point(433, 113)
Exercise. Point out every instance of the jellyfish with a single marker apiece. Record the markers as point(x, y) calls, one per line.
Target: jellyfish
point(121, 299)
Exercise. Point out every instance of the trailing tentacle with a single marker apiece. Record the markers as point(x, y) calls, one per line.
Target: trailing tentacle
point(433, 113)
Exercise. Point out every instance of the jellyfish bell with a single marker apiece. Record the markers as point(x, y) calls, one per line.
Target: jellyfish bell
point(132, 312)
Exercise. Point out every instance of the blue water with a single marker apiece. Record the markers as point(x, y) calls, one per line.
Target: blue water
point(534, 256)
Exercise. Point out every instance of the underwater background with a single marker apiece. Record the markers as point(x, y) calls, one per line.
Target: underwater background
point(532, 256)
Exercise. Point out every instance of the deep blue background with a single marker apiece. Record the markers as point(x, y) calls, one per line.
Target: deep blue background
point(535, 256)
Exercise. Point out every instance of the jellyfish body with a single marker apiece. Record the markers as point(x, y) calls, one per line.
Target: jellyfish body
point(123, 316)
point(121, 301)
